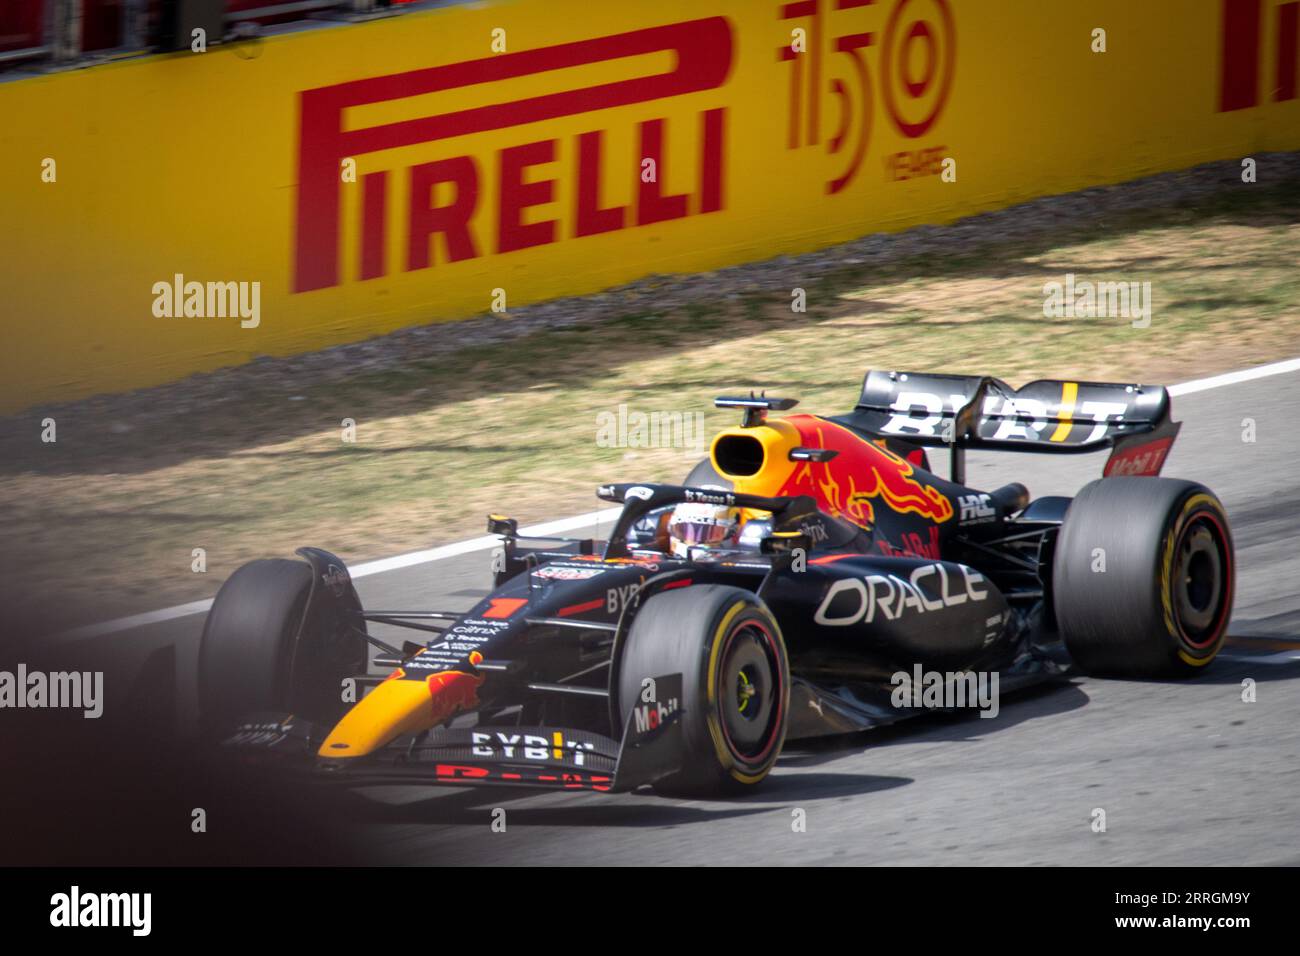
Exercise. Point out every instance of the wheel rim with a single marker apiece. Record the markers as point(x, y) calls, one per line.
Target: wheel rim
point(751, 695)
point(1200, 578)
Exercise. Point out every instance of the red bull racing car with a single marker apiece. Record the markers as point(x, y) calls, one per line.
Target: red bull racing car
point(813, 576)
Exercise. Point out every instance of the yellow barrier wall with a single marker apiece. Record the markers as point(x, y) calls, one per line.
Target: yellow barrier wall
point(522, 170)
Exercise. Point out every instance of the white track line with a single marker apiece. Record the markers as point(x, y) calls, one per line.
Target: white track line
point(561, 525)
point(1232, 378)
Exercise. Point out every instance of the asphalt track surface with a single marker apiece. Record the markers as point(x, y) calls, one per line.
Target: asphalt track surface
point(1186, 772)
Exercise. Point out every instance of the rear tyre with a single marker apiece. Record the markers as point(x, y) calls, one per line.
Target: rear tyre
point(1143, 577)
point(735, 683)
point(263, 649)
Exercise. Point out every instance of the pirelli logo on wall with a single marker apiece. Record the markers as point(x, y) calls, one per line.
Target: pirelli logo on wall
point(845, 68)
point(702, 55)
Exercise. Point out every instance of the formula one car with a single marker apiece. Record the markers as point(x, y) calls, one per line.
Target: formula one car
point(807, 579)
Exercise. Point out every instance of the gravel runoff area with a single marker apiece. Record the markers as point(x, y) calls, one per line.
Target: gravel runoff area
point(1061, 215)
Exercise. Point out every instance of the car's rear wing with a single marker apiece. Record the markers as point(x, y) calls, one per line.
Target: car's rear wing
point(972, 411)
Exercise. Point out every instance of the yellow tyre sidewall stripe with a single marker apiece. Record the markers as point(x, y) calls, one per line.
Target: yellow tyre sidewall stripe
point(725, 757)
point(1166, 581)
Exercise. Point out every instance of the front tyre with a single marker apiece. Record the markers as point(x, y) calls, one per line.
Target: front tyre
point(267, 646)
point(1143, 577)
point(735, 683)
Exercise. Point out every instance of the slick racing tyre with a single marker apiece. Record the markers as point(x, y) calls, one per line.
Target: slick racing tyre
point(735, 684)
point(1143, 577)
point(264, 650)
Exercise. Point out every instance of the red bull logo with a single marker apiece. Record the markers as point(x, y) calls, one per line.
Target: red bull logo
point(453, 692)
point(849, 484)
point(403, 704)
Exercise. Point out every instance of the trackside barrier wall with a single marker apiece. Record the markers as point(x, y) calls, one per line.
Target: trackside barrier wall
point(377, 175)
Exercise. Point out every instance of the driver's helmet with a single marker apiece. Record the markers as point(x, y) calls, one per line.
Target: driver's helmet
point(696, 525)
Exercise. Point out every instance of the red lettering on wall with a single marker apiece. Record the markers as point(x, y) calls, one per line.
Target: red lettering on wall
point(1239, 66)
point(917, 68)
point(590, 218)
point(373, 224)
point(651, 204)
point(701, 56)
point(711, 161)
point(517, 195)
point(1239, 70)
point(450, 220)
point(1288, 35)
